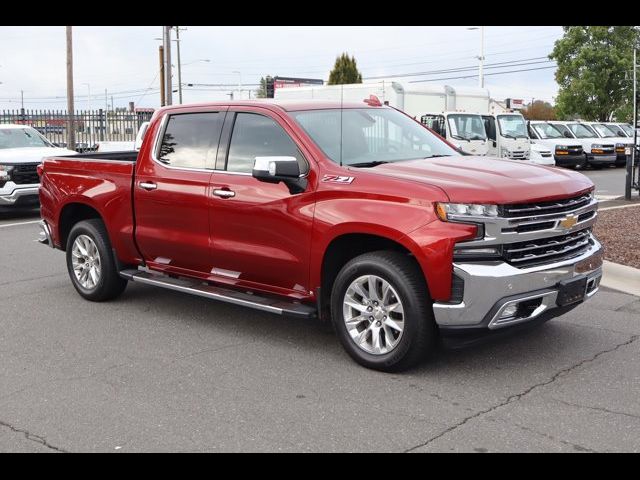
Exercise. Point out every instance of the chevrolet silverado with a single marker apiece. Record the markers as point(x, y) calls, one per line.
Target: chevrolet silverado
point(353, 213)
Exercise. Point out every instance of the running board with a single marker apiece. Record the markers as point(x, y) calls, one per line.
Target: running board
point(195, 287)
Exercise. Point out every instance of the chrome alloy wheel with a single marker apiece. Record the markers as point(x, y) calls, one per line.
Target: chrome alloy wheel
point(86, 262)
point(373, 313)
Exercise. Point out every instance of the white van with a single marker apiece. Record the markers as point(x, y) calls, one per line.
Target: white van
point(598, 153)
point(464, 130)
point(567, 153)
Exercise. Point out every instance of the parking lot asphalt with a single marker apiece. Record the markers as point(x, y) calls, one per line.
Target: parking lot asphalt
point(609, 182)
point(157, 370)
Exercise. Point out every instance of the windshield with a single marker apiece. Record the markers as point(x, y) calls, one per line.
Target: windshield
point(546, 130)
point(467, 127)
point(564, 130)
point(603, 130)
point(370, 136)
point(22, 138)
point(628, 129)
point(617, 130)
point(582, 131)
point(512, 126)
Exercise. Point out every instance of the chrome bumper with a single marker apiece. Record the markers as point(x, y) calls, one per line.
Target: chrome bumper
point(9, 199)
point(490, 287)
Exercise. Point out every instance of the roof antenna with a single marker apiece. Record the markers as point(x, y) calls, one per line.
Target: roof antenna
point(341, 108)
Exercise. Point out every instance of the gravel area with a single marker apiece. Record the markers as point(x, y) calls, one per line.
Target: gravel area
point(619, 231)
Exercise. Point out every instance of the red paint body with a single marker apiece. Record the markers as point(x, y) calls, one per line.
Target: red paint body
point(267, 239)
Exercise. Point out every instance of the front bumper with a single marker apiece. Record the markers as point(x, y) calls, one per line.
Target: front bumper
point(601, 159)
point(489, 287)
point(569, 160)
point(12, 195)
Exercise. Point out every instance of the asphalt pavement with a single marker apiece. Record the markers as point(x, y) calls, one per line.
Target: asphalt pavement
point(158, 370)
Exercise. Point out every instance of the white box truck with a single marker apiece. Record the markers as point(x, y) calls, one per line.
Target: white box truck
point(451, 112)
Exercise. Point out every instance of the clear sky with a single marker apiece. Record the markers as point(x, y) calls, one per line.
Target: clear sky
point(124, 60)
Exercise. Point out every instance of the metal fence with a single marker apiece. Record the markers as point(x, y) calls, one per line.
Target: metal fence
point(91, 126)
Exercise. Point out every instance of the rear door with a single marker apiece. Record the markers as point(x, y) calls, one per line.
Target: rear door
point(261, 231)
point(172, 192)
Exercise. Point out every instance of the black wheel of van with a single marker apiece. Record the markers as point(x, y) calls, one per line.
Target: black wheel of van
point(382, 313)
point(90, 262)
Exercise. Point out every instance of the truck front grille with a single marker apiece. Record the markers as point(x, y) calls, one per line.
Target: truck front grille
point(25, 174)
point(518, 155)
point(543, 208)
point(547, 250)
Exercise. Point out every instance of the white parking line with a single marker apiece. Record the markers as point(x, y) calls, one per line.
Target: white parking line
point(619, 206)
point(6, 225)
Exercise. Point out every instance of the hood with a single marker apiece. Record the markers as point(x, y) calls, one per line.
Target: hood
point(13, 156)
point(551, 143)
point(468, 179)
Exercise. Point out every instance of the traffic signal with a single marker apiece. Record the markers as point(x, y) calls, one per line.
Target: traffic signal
point(269, 83)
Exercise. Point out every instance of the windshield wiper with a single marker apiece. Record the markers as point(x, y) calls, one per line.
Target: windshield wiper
point(458, 137)
point(439, 155)
point(374, 163)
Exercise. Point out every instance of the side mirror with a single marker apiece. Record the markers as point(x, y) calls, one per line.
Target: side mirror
point(278, 169)
point(567, 135)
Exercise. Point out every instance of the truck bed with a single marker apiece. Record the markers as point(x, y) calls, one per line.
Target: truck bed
point(117, 156)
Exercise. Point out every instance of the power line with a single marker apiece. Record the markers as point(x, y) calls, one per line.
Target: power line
point(474, 76)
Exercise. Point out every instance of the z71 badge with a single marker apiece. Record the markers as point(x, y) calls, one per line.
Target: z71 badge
point(337, 179)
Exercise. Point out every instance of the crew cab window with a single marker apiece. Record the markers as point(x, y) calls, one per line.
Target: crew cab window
point(190, 140)
point(254, 136)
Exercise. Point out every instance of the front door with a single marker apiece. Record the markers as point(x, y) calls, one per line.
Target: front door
point(490, 129)
point(172, 193)
point(261, 231)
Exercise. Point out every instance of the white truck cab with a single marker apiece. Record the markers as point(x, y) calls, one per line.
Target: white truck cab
point(507, 136)
point(464, 130)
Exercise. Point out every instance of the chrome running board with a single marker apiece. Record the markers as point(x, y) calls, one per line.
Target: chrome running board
point(196, 287)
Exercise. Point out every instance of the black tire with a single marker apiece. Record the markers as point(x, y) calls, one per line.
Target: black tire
point(110, 285)
point(405, 276)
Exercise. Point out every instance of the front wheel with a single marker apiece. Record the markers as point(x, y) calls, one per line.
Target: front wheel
point(381, 310)
point(91, 264)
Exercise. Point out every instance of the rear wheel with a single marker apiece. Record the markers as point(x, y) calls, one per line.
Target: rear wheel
point(91, 264)
point(382, 312)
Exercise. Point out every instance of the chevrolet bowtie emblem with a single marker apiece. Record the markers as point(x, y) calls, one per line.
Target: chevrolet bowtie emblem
point(569, 221)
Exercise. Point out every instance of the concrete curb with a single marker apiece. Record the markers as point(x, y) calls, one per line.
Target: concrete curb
point(621, 277)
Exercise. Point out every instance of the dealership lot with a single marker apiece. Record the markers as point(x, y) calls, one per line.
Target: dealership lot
point(161, 371)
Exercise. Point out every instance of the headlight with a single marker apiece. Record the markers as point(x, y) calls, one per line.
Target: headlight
point(462, 211)
point(596, 145)
point(504, 152)
point(5, 170)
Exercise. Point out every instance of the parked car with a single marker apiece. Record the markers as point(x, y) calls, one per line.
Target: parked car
point(599, 153)
point(358, 214)
point(541, 155)
point(566, 153)
point(21, 150)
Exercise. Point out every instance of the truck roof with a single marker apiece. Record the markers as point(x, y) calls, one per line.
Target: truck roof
point(13, 126)
point(274, 104)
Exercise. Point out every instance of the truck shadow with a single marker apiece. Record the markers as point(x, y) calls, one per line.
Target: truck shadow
point(538, 344)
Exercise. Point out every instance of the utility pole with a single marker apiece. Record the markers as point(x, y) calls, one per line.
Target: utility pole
point(167, 65)
point(481, 73)
point(162, 85)
point(71, 124)
point(22, 99)
point(179, 65)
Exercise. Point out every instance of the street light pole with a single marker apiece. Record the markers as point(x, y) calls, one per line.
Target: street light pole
point(71, 127)
point(631, 161)
point(239, 84)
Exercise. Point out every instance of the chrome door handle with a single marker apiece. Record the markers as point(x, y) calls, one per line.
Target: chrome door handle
point(224, 193)
point(148, 185)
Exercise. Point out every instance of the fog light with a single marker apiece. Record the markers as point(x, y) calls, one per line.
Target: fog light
point(509, 311)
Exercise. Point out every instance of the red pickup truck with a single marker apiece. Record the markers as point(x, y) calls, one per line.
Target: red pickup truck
point(350, 212)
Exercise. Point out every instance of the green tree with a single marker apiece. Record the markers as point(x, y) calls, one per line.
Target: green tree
point(594, 67)
point(344, 71)
point(261, 91)
point(539, 110)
